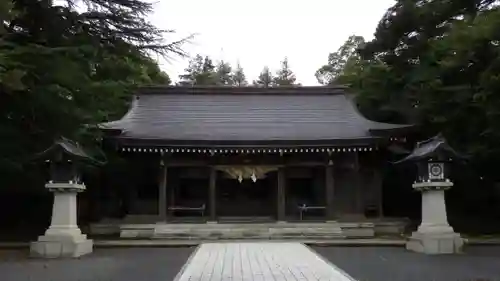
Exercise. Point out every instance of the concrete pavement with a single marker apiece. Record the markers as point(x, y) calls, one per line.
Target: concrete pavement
point(165, 263)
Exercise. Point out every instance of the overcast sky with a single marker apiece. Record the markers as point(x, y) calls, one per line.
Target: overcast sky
point(259, 32)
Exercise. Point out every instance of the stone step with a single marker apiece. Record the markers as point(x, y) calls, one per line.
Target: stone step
point(282, 237)
point(175, 234)
point(330, 230)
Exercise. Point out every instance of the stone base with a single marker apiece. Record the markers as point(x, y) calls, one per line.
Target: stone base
point(358, 229)
point(242, 231)
point(61, 247)
point(435, 243)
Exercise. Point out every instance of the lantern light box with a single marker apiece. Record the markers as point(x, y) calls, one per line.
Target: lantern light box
point(65, 159)
point(432, 158)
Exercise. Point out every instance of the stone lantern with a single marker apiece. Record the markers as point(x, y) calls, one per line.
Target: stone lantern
point(63, 238)
point(434, 235)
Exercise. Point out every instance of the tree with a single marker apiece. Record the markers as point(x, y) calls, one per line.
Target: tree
point(342, 62)
point(223, 74)
point(64, 70)
point(284, 75)
point(265, 78)
point(5, 13)
point(436, 64)
point(154, 74)
point(200, 71)
point(239, 77)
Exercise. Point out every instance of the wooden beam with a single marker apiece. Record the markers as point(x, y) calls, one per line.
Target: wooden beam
point(358, 186)
point(188, 163)
point(305, 164)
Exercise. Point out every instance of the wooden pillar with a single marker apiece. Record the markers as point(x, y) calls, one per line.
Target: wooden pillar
point(162, 194)
point(358, 185)
point(281, 211)
point(172, 191)
point(380, 194)
point(329, 191)
point(212, 192)
point(378, 182)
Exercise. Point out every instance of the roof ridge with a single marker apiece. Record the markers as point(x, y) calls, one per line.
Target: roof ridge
point(247, 90)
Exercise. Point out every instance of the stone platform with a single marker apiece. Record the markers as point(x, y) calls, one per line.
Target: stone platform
point(272, 230)
point(216, 231)
point(258, 261)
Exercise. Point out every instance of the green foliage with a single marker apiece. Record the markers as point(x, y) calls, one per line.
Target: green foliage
point(284, 75)
point(436, 64)
point(239, 77)
point(200, 71)
point(265, 78)
point(223, 73)
point(344, 62)
point(63, 70)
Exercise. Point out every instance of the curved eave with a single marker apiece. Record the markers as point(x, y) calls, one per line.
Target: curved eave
point(420, 154)
point(118, 126)
point(380, 128)
point(111, 128)
point(70, 148)
point(392, 129)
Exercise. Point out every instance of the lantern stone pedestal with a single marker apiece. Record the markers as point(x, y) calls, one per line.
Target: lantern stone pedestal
point(63, 238)
point(434, 235)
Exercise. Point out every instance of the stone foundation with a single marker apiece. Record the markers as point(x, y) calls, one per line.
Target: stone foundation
point(330, 230)
point(358, 229)
point(435, 243)
point(60, 247)
point(354, 229)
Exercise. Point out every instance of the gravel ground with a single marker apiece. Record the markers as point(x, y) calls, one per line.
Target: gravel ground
point(397, 264)
point(119, 264)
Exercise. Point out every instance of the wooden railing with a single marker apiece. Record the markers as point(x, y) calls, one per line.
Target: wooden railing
point(304, 208)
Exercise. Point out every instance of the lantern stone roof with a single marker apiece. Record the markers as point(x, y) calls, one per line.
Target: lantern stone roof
point(436, 147)
point(66, 147)
point(245, 116)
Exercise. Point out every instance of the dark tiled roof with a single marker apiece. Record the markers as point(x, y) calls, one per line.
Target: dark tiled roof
point(71, 148)
point(435, 147)
point(225, 114)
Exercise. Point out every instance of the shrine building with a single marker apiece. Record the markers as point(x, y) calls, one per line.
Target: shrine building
point(218, 155)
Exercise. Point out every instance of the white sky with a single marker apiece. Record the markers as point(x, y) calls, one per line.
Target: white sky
point(259, 32)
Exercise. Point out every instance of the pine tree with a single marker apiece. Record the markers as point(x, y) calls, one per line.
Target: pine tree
point(284, 75)
point(200, 71)
point(265, 78)
point(67, 66)
point(239, 78)
point(224, 74)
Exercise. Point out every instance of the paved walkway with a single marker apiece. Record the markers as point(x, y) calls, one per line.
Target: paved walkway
point(165, 263)
point(258, 262)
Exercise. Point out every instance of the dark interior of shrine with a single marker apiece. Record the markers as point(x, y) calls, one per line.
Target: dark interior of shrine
point(27, 205)
point(246, 200)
